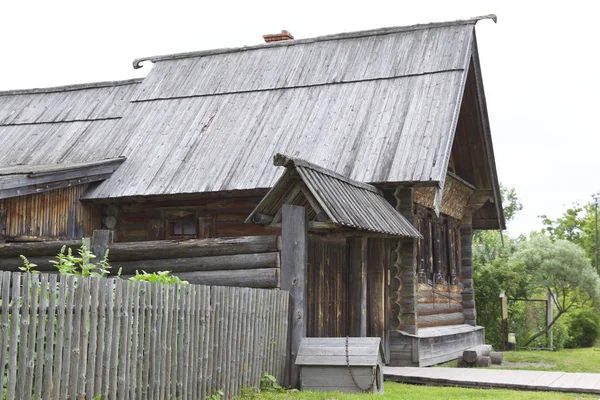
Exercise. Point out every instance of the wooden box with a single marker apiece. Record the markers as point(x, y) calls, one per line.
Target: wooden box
point(348, 365)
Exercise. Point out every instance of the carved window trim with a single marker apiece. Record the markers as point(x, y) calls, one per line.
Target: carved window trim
point(438, 252)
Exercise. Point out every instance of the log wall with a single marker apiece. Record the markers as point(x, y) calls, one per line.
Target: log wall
point(136, 222)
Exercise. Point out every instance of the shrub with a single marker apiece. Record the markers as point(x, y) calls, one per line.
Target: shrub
point(584, 329)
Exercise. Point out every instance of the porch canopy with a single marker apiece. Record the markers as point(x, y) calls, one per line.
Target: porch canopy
point(332, 202)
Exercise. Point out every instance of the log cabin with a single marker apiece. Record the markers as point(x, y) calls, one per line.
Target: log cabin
point(186, 153)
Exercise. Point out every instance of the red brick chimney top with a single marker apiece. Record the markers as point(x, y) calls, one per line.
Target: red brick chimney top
point(277, 37)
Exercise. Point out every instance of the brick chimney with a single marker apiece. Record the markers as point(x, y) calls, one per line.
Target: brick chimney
point(277, 37)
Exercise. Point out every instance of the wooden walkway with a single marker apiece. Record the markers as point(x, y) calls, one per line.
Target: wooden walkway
point(497, 379)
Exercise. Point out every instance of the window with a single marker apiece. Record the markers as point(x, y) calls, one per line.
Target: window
point(438, 252)
point(183, 227)
point(181, 224)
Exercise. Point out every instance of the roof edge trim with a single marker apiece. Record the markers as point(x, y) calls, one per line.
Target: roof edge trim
point(68, 88)
point(338, 36)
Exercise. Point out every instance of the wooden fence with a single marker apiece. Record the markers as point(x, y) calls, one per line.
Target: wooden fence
point(79, 338)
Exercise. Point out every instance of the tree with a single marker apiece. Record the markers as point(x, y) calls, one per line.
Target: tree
point(492, 272)
point(576, 225)
point(560, 267)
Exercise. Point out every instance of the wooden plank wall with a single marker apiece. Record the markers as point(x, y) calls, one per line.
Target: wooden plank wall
point(327, 287)
point(81, 338)
point(57, 214)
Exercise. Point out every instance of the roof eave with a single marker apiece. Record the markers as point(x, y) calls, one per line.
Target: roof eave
point(487, 135)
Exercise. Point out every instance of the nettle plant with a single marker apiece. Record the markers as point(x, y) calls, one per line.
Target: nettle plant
point(81, 265)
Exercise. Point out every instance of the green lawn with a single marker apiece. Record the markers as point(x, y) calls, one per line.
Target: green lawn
point(575, 360)
point(407, 392)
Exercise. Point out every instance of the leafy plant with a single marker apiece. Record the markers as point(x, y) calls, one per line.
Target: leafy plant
point(216, 395)
point(27, 266)
point(268, 383)
point(68, 264)
point(159, 276)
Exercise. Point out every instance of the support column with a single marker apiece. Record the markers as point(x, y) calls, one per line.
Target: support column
point(468, 293)
point(294, 257)
point(403, 283)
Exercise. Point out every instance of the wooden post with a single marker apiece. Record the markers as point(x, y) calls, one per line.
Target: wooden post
point(549, 304)
point(101, 239)
point(357, 265)
point(504, 318)
point(294, 256)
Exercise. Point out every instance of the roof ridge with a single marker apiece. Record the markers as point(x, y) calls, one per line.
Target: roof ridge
point(336, 36)
point(282, 160)
point(68, 88)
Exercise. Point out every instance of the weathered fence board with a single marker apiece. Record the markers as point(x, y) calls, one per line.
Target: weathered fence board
point(82, 337)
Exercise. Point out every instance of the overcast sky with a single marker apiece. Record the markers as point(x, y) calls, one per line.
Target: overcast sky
point(540, 66)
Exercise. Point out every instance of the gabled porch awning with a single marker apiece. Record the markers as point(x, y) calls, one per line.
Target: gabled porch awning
point(332, 201)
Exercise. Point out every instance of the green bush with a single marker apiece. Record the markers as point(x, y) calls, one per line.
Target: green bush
point(584, 329)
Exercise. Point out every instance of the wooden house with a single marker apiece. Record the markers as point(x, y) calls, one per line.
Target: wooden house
point(187, 153)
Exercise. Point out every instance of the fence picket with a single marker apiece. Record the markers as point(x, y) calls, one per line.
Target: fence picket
point(31, 334)
point(47, 388)
point(14, 344)
point(66, 356)
point(75, 353)
point(94, 301)
point(40, 349)
point(23, 324)
point(4, 324)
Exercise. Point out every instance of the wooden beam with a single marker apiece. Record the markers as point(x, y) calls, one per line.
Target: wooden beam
point(357, 264)
point(294, 257)
point(49, 248)
point(262, 219)
point(267, 278)
point(211, 263)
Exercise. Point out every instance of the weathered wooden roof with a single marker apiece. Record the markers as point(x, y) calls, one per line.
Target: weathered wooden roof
point(19, 180)
point(69, 124)
point(333, 198)
point(362, 351)
point(377, 106)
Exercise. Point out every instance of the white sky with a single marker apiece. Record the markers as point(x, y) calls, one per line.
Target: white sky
point(540, 65)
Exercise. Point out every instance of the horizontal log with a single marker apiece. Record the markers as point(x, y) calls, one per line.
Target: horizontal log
point(471, 355)
point(254, 278)
point(496, 357)
point(439, 298)
point(483, 361)
point(13, 264)
point(191, 264)
point(164, 249)
point(430, 309)
point(426, 288)
point(33, 249)
point(427, 321)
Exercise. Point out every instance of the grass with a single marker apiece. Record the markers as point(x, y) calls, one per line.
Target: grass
point(568, 360)
point(407, 392)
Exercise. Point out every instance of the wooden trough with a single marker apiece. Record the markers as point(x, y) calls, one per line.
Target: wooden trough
point(349, 365)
